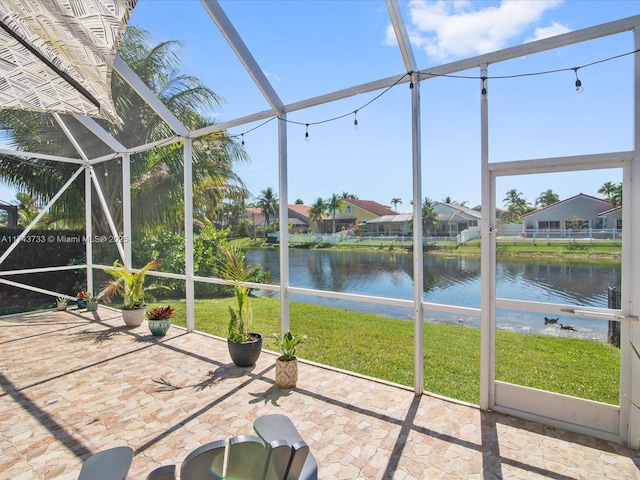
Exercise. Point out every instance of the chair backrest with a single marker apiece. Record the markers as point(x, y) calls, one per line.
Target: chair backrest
point(300, 450)
point(111, 464)
point(279, 458)
point(204, 462)
point(246, 458)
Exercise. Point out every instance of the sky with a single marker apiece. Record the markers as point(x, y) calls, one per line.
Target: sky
point(310, 48)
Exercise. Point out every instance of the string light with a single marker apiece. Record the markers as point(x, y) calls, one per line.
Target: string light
point(579, 88)
point(578, 84)
point(242, 142)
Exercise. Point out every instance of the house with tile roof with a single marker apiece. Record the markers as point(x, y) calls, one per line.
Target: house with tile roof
point(298, 218)
point(356, 212)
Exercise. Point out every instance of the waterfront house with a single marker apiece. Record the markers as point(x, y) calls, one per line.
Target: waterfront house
point(565, 218)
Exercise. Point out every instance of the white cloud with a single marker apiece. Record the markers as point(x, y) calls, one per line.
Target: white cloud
point(446, 29)
point(550, 31)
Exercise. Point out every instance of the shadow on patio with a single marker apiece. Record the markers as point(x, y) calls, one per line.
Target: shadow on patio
point(76, 382)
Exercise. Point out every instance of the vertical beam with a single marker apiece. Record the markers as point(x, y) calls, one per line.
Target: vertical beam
point(126, 209)
point(87, 228)
point(285, 320)
point(630, 332)
point(188, 234)
point(488, 264)
point(418, 253)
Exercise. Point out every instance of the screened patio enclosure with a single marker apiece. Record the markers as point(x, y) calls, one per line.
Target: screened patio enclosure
point(104, 157)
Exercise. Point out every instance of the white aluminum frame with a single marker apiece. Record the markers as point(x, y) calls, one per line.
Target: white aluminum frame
point(620, 424)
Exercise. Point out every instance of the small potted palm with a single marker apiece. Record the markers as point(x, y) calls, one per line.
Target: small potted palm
point(287, 362)
point(244, 345)
point(159, 320)
point(130, 287)
point(92, 302)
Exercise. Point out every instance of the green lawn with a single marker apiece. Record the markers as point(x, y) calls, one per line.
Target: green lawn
point(383, 348)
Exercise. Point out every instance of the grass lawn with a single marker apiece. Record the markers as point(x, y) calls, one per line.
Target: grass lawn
point(383, 348)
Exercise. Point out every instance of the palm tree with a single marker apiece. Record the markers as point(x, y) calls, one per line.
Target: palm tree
point(607, 189)
point(156, 175)
point(395, 202)
point(349, 195)
point(317, 211)
point(335, 204)
point(513, 196)
point(547, 198)
point(429, 214)
point(616, 195)
point(268, 203)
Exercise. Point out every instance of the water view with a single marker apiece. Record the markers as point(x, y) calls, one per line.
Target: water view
point(451, 281)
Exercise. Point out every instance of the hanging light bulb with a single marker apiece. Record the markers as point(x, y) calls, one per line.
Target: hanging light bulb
point(355, 120)
point(579, 88)
point(106, 173)
point(242, 142)
point(306, 133)
point(484, 86)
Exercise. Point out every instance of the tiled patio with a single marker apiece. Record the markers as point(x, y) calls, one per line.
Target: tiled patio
point(76, 382)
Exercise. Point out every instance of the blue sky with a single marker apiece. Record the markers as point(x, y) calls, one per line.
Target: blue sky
point(309, 48)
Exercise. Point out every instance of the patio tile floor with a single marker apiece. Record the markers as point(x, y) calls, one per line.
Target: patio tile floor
point(76, 382)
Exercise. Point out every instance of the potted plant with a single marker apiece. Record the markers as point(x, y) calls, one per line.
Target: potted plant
point(92, 302)
point(130, 287)
point(159, 320)
point(287, 363)
point(81, 299)
point(61, 303)
point(244, 345)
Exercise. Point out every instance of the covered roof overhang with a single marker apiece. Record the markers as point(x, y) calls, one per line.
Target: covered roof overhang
point(57, 56)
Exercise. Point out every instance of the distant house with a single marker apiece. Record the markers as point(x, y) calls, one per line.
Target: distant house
point(356, 212)
point(453, 219)
point(612, 218)
point(255, 215)
point(298, 218)
point(578, 212)
point(391, 225)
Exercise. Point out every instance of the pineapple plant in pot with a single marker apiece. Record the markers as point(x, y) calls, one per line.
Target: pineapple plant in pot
point(287, 362)
point(159, 320)
point(61, 303)
point(243, 344)
point(130, 287)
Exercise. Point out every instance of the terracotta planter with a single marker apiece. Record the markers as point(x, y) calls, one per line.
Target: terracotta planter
point(134, 317)
point(286, 373)
point(61, 306)
point(159, 327)
point(246, 354)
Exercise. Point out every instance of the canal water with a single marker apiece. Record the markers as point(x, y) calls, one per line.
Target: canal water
point(451, 281)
